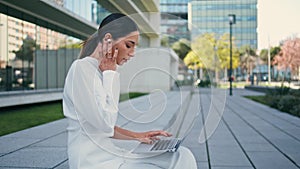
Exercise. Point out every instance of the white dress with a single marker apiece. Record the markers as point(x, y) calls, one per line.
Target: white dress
point(90, 103)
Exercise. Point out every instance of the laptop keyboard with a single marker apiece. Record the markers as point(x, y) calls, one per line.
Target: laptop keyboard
point(164, 144)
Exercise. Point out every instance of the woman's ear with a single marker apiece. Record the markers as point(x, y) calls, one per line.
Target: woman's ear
point(107, 36)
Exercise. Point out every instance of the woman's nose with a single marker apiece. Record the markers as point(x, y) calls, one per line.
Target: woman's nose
point(131, 53)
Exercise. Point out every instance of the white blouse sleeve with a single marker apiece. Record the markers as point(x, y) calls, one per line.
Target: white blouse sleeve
point(95, 100)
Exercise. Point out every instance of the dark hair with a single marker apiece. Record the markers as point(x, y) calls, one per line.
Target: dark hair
point(117, 24)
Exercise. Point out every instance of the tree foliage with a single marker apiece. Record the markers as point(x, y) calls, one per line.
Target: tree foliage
point(211, 53)
point(223, 53)
point(247, 59)
point(26, 51)
point(264, 55)
point(71, 46)
point(289, 56)
point(164, 41)
point(181, 48)
point(274, 51)
point(192, 61)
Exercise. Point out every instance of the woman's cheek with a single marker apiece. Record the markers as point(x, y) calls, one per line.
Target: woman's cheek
point(121, 62)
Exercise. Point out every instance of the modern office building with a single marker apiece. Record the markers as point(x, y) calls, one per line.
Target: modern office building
point(34, 53)
point(88, 9)
point(211, 16)
point(39, 41)
point(174, 15)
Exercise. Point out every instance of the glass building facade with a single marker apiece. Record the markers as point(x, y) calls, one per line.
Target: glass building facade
point(88, 9)
point(174, 22)
point(35, 57)
point(211, 16)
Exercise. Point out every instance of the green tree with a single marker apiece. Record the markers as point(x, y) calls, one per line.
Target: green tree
point(164, 41)
point(181, 48)
point(223, 52)
point(192, 61)
point(26, 51)
point(203, 48)
point(263, 55)
point(247, 59)
point(274, 51)
point(70, 44)
point(214, 53)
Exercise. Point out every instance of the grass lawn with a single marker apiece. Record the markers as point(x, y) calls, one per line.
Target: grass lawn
point(225, 85)
point(260, 99)
point(17, 118)
point(127, 96)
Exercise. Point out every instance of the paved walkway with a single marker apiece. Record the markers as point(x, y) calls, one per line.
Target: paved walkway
point(250, 135)
point(238, 134)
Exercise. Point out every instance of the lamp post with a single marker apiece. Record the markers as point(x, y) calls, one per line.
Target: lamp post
point(231, 22)
point(0, 40)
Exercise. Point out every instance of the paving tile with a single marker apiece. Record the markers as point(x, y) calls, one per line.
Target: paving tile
point(19, 168)
point(55, 141)
point(64, 165)
point(9, 144)
point(199, 152)
point(270, 160)
point(258, 147)
point(231, 167)
point(295, 156)
point(191, 140)
point(39, 157)
point(251, 139)
point(227, 156)
point(202, 165)
point(295, 131)
point(287, 144)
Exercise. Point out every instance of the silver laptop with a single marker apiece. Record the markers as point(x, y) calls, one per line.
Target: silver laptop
point(163, 145)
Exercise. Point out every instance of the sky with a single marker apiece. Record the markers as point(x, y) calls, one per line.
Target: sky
point(277, 20)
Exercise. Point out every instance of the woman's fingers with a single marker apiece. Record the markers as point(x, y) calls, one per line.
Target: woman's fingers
point(115, 53)
point(164, 133)
point(158, 133)
point(109, 48)
point(167, 134)
point(146, 140)
point(104, 48)
point(154, 138)
point(151, 136)
point(108, 58)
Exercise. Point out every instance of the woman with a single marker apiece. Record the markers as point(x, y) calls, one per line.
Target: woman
point(91, 96)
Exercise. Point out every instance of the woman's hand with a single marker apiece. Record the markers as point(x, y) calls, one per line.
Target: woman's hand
point(108, 59)
point(150, 136)
point(144, 137)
